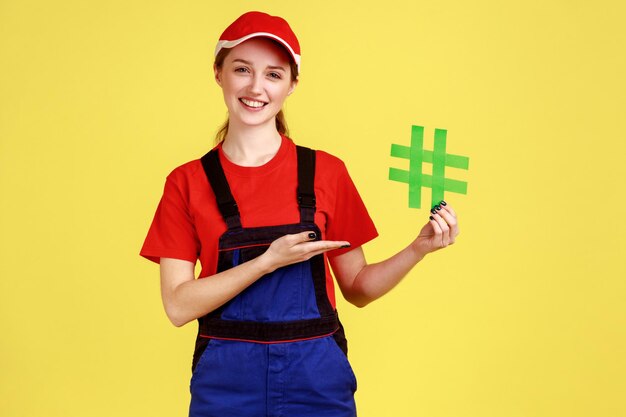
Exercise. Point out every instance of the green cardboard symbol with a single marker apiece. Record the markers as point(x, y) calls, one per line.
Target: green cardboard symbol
point(417, 155)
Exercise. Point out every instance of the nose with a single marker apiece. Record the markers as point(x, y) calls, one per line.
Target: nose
point(256, 85)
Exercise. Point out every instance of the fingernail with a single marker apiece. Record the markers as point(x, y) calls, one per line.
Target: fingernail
point(345, 246)
point(433, 211)
point(438, 207)
point(311, 235)
point(443, 203)
point(431, 217)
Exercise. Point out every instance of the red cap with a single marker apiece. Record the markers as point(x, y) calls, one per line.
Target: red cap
point(257, 24)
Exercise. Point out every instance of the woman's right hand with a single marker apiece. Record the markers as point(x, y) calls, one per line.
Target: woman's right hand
point(298, 247)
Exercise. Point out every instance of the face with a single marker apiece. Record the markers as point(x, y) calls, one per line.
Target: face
point(255, 79)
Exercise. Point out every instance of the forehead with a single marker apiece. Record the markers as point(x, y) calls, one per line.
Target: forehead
point(260, 51)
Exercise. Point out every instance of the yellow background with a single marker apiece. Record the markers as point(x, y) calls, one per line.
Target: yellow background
point(524, 316)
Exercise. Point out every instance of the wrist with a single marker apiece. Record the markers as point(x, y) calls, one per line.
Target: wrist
point(264, 264)
point(419, 251)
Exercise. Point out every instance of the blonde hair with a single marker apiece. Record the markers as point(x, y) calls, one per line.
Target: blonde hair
point(281, 122)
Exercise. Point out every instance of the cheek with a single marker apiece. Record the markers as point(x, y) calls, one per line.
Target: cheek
point(280, 92)
point(231, 99)
point(230, 95)
point(231, 84)
point(226, 90)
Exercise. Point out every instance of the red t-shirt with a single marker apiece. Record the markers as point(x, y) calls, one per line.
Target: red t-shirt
point(187, 224)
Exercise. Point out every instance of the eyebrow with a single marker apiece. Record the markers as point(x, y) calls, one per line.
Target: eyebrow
point(250, 63)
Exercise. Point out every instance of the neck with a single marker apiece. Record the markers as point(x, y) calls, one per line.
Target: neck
point(251, 146)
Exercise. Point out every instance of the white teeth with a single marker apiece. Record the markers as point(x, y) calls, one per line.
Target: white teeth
point(252, 103)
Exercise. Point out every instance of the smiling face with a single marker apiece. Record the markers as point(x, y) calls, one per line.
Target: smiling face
point(256, 79)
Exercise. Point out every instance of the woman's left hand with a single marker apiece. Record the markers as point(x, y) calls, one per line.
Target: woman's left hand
point(361, 283)
point(439, 232)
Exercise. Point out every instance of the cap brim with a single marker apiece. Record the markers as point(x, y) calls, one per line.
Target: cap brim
point(231, 44)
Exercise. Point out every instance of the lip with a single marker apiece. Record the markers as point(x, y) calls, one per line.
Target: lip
point(252, 108)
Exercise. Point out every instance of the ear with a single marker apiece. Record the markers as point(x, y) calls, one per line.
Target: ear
point(294, 84)
point(217, 75)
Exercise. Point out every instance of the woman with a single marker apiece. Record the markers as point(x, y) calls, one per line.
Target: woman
point(265, 217)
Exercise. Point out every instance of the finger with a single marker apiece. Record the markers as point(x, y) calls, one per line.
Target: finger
point(298, 238)
point(436, 228)
point(321, 246)
point(451, 220)
point(448, 207)
point(325, 249)
point(445, 229)
point(450, 210)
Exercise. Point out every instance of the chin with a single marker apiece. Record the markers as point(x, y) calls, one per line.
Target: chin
point(257, 121)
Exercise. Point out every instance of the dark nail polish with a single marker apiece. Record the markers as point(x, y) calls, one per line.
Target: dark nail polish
point(443, 203)
point(311, 235)
point(345, 246)
point(438, 207)
point(431, 217)
point(433, 211)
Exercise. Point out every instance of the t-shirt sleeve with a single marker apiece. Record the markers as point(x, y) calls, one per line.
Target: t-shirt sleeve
point(172, 233)
point(349, 220)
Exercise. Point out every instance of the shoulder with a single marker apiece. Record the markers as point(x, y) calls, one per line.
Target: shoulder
point(329, 163)
point(187, 173)
point(329, 168)
point(328, 159)
point(325, 163)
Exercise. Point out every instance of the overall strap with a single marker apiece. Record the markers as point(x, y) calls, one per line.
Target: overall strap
point(225, 201)
point(306, 179)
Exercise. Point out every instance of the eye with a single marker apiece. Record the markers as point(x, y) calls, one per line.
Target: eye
point(275, 75)
point(241, 69)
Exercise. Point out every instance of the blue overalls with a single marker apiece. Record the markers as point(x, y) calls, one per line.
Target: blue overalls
point(278, 348)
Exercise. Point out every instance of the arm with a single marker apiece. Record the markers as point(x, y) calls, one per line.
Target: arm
point(361, 283)
point(186, 298)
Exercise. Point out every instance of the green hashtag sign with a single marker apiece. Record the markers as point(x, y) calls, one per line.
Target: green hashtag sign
point(417, 155)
